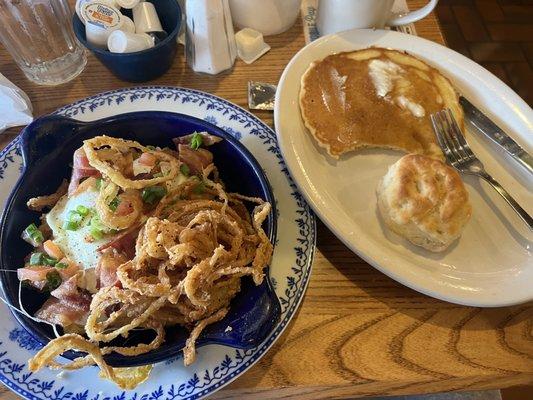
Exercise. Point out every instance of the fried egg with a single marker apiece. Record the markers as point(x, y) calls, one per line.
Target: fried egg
point(77, 245)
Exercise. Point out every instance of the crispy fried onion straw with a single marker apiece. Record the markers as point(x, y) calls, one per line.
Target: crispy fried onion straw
point(108, 192)
point(125, 378)
point(107, 155)
point(189, 259)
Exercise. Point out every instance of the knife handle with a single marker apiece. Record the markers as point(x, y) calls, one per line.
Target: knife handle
point(525, 160)
point(489, 129)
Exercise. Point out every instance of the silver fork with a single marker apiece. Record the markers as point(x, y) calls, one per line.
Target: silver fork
point(460, 156)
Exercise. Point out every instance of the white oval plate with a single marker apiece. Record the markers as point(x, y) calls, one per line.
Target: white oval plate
point(491, 265)
point(216, 365)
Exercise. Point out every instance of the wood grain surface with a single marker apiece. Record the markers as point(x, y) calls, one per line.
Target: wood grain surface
point(358, 332)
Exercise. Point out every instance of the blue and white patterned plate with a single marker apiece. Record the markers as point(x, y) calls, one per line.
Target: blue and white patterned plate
point(216, 365)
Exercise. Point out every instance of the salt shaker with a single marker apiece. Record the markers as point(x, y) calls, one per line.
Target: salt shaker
point(210, 40)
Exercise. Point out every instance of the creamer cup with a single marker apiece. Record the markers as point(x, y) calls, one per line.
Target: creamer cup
point(125, 42)
point(146, 19)
point(127, 24)
point(101, 20)
point(101, 13)
point(81, 3)
point(129, 4)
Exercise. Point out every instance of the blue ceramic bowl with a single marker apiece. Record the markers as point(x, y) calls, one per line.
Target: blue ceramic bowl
point(141, 66)
point(47, 147)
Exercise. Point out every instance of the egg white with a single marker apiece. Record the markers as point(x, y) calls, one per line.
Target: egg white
point(74, 243)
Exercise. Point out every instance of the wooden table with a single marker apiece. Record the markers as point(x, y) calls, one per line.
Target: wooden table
point(358, 332)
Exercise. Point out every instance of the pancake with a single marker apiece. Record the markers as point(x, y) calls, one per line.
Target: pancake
point(375, 98)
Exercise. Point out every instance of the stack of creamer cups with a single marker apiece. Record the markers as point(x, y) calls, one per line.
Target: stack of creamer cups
point(107, 28)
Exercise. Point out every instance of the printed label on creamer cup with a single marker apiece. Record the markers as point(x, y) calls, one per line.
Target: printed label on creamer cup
point(102, 14)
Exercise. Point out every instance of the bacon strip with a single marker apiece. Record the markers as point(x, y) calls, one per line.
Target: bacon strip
point(197, 160)
point(207, 139)
point(33, 273)
point(67, 305)
point(80, 169)
point(72, 295)
point(62, 312)
point(71, 270)
point(107, 267)
point(125, 242)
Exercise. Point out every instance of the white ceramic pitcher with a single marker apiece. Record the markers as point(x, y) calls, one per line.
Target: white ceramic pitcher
point(269, 17)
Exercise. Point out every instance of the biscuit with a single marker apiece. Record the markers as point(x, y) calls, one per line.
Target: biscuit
point(425, 201)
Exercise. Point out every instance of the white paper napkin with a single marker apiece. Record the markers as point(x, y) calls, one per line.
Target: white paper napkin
point(15, 106)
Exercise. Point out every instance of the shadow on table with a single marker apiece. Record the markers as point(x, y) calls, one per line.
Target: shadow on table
point(478, 395)
point(386, 293)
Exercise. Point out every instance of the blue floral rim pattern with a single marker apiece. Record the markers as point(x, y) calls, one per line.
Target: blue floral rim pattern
point(26, 384)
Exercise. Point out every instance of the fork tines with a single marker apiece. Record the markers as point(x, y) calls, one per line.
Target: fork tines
point(450, 137)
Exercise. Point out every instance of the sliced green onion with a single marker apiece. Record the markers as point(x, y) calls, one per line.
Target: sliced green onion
point(99, 182)
point(74, 216)
point(97, 229)
point(185, 170)
point(196, 141)
point(31, 229)
point(36, 258)
point(61, 265)
point(153, 194)
point(114, 204)
point(82, 210)
point(33, 235)
point(96, 222)
point(46, 260)
point(73, 221)
point(71, 226)
point(53, 280)
point(200, 188)
point(151, 147)
point(97, 234)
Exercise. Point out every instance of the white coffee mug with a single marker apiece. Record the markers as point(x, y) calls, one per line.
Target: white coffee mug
point(269, 17)
point(340, 15)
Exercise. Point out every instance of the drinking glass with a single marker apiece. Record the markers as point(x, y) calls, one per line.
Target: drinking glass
point(38, 35)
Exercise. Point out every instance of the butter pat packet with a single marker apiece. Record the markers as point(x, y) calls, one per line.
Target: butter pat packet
point(250, 45)
point(261, 96)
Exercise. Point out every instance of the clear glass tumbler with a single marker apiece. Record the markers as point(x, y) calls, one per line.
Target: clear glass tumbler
point(38, 35)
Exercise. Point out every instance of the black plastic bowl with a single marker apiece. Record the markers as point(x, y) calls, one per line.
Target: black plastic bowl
point(141, 66)
point(47, 147)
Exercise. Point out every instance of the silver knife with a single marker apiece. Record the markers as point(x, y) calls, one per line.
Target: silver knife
point(483, 124)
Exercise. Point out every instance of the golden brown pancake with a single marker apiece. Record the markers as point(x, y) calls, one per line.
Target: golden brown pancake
point(375, 98)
